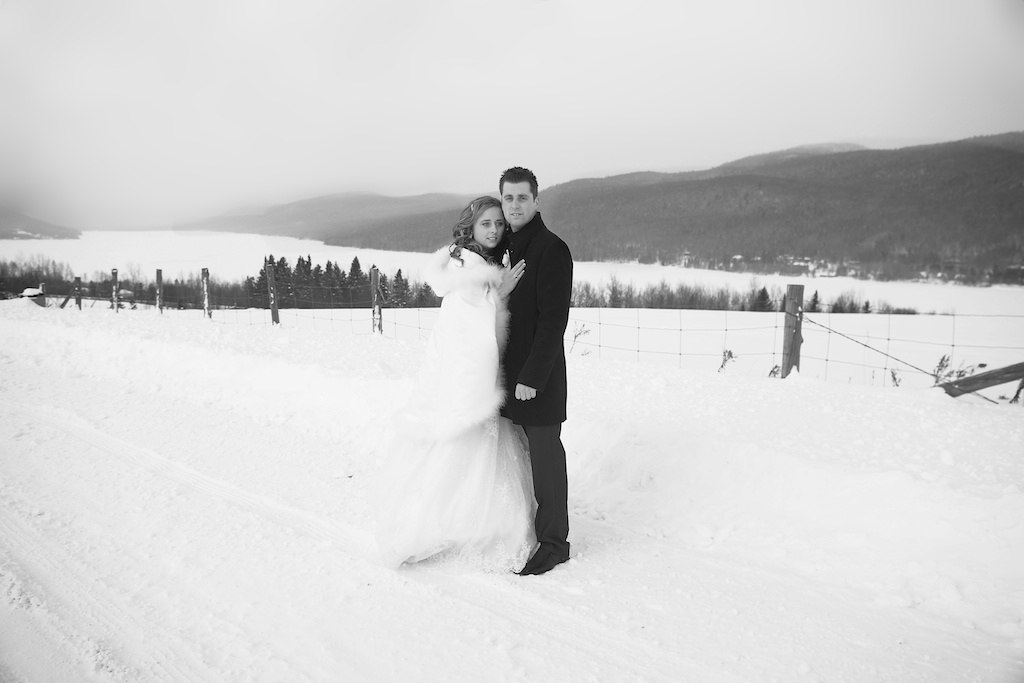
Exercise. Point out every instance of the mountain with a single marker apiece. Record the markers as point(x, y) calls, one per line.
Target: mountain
point(342, 218)
point(950, 205)
point(16, 225)
point(801, 152)
point(897, 210)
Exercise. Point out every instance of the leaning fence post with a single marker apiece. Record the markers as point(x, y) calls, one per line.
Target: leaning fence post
point(160, 290)
point(375, 298)
point(268, 267)
point(78, 292)
point(793, 337)
point(206, 293)
point(114, 297)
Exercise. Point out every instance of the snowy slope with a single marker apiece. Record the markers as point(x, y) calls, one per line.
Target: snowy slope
point(185, 501)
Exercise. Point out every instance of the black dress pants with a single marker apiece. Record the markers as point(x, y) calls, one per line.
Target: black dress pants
point(547, 457)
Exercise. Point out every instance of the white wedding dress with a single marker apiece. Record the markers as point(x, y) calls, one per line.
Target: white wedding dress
point(455, 479)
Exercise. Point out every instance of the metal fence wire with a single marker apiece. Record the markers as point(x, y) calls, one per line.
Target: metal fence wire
point(885, 349)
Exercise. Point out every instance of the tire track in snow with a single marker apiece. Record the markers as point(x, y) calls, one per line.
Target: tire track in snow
point(279, 513)
point(75, 609)
point(524, 612)
point(49, 582)
point(49, 587)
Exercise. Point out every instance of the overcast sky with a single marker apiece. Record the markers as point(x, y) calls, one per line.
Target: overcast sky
point(145, 112)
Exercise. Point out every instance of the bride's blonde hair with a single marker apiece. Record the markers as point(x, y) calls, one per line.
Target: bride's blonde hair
point(462, 233)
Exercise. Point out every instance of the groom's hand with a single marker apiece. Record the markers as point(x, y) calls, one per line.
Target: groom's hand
point(525, 393)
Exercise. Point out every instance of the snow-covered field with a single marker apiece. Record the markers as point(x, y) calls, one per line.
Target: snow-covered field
point(182, 500)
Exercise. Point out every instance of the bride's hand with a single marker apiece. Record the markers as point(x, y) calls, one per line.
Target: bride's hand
point(510, 278)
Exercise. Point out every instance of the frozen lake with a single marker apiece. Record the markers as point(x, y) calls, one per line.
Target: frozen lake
point(232, 256)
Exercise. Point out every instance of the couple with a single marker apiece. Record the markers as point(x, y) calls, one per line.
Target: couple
point(460, 478)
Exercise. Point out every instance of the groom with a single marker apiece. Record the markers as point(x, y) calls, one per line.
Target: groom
point(534, 359)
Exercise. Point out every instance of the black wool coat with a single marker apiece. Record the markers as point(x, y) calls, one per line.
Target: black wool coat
point(539, 310)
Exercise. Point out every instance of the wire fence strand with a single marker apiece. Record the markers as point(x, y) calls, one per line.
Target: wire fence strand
point(836, 346)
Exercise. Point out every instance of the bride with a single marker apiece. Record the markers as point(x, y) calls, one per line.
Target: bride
point(456, 480)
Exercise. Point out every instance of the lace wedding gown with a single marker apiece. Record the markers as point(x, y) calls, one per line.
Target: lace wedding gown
point(456, 477)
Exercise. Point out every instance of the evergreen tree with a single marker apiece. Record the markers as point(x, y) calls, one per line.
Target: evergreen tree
point(343, 293)
point(359, 285)
point(385, 290)
point(302, 283)
point(815, 305)
point(259, 292)
point(319, 294)
point(335, 282)
point(423, 296)
point(400, 290)
point(285, 287)
point(355, 271)
point(761, 302)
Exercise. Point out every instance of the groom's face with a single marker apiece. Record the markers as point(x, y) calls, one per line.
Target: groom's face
point(518, 204)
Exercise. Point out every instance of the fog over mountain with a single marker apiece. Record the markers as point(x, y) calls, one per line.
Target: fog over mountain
point(890, 213)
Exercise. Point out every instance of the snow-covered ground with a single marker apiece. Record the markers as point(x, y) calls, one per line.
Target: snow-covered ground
point(182, 500)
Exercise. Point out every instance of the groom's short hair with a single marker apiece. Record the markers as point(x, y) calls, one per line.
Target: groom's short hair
point(518, 174)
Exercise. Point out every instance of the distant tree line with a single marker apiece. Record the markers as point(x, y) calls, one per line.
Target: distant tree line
point(329, 286)
point(59, 280)
point(615, 294)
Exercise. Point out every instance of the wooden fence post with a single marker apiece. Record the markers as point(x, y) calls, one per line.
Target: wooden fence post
point(206, 293)
point(377, 323)
point(792, 337)
point(160, 290)
point(268, 267)
point(78, 292)
point(990, 378)
point(115, 299)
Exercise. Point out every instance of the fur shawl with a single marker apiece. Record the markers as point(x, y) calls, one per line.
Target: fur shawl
point(459, 384)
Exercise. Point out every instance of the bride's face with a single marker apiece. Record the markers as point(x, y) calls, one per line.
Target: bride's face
point(489, 228)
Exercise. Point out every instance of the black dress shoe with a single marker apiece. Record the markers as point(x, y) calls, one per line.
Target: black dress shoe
point(542, 563)
point(532, 563)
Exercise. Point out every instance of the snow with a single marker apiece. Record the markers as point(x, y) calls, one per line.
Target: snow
point(184, 499)
point(233, 257)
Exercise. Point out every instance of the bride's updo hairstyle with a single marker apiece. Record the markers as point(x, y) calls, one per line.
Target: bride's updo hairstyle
point(462, 233)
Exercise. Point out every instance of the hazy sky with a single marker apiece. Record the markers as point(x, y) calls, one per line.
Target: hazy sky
point(137, 111)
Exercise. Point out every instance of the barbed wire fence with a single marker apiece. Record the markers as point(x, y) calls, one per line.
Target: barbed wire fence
point(882, 349)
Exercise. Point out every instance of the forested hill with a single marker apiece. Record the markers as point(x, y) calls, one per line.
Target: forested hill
point(896, 211)
point(957, 204)
point(352, 219)
point(16, 225)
